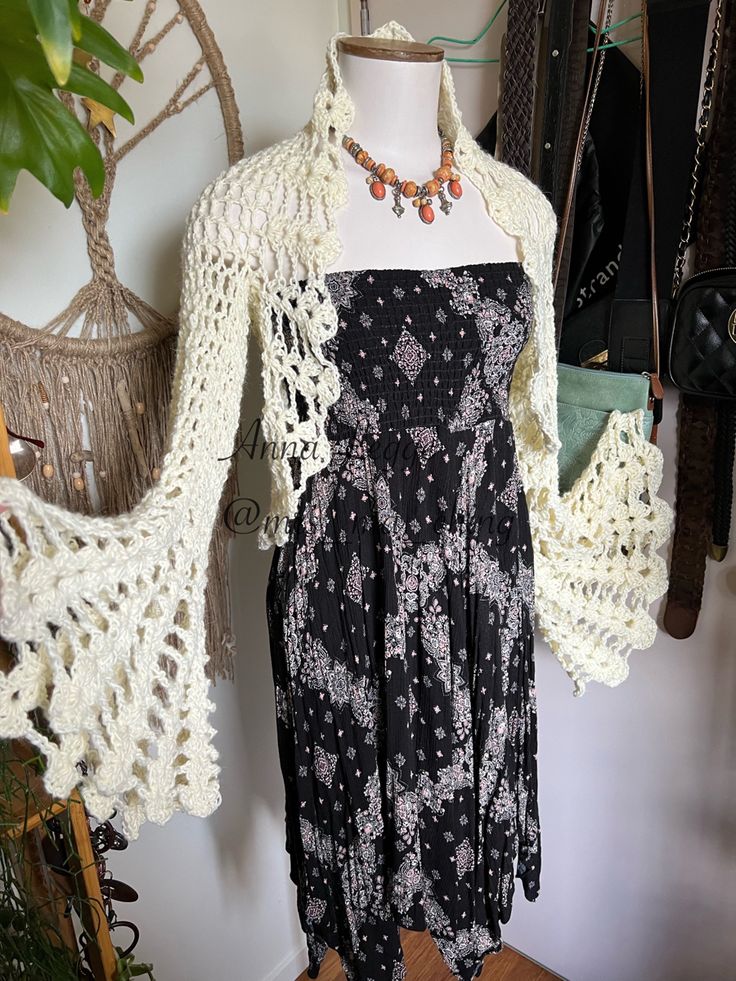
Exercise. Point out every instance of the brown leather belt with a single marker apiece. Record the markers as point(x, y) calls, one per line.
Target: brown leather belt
point(516, 105)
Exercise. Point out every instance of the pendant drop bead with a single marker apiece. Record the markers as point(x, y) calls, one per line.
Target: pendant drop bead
point(426, 213)
point(381, 177)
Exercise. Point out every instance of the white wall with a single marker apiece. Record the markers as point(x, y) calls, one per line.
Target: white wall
point(636, 784)
point(637, 805)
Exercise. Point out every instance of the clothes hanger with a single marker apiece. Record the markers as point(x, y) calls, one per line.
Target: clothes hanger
point(471, 41)
point(617, 44)
point(494, 61)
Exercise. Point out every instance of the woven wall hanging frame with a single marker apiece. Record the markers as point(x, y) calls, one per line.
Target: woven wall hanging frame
point(99, 399)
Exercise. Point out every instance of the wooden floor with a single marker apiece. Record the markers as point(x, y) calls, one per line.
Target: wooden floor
point(424, 963)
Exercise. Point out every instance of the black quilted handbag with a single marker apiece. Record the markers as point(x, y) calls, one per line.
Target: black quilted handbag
point(702, 354)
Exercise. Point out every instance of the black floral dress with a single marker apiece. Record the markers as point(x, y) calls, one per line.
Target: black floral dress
point(401, 617)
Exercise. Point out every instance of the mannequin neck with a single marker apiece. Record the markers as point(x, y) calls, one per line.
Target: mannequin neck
point(396, 104)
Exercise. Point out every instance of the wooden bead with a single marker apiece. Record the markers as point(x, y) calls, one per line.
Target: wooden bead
point(349, 142)
point(426, 213)
point(378, 190)
point(140, 408)
point(361, 156)
point(47, 470)
point(368, 163)
point(455, 189)
point(432, 187)
point(77, 482)
point(388, 176)
point(409, 189)
point(380, 169)
point(443, 173)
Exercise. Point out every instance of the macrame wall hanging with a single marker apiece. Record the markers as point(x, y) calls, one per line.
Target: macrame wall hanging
point(98, 394)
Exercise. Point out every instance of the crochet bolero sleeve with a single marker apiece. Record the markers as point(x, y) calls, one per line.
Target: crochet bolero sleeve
point(597, 568)
point(105, 615)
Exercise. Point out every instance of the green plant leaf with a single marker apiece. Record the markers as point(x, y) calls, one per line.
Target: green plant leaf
point(22, 60)
point(95, 40)
point(16, 22)
point(127, 967)
point(75, 19)
point(84, 82)
point(39, 134)
point(37, 131)
point(53, 23)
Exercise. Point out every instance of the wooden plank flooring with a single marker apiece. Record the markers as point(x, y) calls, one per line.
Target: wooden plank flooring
point(424, 963)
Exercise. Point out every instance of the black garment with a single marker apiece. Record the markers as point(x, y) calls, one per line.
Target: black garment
point(401, 619)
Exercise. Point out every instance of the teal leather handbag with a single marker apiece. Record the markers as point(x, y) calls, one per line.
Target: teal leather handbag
point(585, 399)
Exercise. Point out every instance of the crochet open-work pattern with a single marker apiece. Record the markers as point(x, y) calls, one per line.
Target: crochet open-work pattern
point(105, 615)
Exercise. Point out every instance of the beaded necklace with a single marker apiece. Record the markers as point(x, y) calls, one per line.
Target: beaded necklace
point(421, 194)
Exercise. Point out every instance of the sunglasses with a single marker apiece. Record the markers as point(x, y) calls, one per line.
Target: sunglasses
point(23, 453)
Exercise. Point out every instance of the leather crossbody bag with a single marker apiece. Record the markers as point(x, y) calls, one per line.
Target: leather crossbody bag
point(587, 396)
point(702, 356)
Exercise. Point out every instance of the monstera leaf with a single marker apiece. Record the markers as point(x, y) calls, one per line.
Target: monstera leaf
point(38, 39)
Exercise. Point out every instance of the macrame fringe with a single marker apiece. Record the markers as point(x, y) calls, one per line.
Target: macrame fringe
point(121, 397)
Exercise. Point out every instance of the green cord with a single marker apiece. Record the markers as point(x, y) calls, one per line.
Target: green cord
point(613, 27)
point(620, 23)
point(617, 44)
point(476, 61)
point(457, 40)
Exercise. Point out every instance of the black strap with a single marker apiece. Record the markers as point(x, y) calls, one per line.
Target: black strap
point(561, 86)
point(676, 43)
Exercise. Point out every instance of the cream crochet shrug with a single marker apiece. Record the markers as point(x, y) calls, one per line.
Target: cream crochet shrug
point(106, 613)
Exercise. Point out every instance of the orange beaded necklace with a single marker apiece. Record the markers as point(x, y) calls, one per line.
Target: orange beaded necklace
point(422, 194)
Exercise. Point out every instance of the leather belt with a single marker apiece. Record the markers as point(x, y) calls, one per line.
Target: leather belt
point(516, 105)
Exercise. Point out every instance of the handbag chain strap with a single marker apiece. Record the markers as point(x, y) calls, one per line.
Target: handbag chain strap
point(700, 145)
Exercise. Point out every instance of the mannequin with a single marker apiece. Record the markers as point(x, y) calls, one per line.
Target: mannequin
point(394, 86)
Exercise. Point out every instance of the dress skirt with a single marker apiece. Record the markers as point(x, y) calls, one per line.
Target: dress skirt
point(401, 616)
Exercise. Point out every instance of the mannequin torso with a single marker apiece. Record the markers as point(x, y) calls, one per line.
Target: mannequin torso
point(396, 122)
